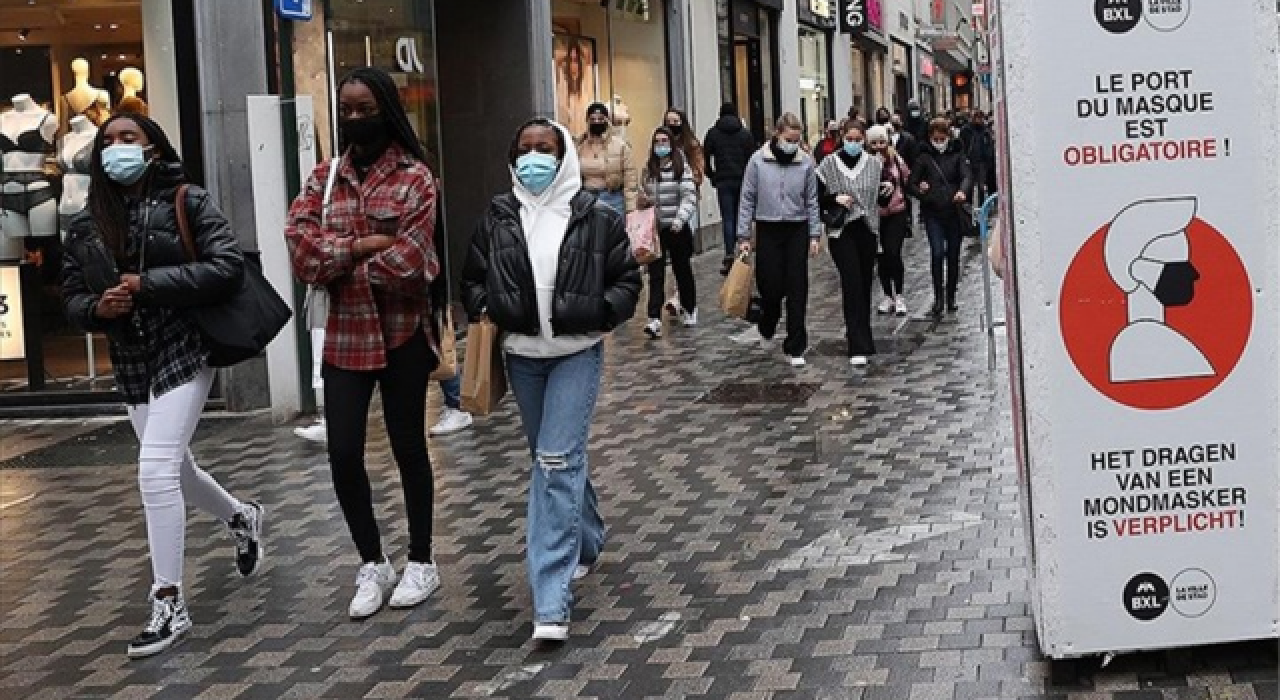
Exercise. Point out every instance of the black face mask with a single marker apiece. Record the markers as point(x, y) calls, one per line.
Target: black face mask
point(1177, 284)
point(675, 129)
point(368, 134)
point(882, 120)
point(597, 128)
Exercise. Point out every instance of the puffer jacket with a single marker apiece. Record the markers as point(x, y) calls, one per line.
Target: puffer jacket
point(169, 279)
point(728, 148)
point(597, 283)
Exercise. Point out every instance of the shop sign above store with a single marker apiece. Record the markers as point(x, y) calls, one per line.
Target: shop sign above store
point(299, 10)
point(821, 8)
point(853, 16)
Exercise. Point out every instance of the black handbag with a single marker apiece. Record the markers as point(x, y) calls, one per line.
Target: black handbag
point(835, 217)
point(239, 328)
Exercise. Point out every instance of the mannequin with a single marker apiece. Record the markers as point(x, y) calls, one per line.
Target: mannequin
point(73, 156)
point(132, 81)
point(85, 99)
point(27, 196)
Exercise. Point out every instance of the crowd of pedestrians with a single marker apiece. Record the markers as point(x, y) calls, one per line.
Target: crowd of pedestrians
point(550, 265)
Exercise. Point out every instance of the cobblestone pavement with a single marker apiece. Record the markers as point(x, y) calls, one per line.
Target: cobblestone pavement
point(774, 533)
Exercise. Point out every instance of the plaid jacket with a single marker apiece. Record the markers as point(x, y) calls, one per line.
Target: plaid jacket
point(377, 302)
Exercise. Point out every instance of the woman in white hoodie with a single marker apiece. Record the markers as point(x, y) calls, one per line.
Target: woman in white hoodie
point(552, 267)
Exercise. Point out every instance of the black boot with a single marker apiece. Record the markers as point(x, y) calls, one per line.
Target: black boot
point(937, 307)
point(951, 302)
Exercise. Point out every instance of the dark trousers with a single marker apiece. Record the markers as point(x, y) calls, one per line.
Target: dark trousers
point(893, 233)
point(945, 238)
point(854, 253)
point(782, 272)
point(678, 248)
point(730, 196)
point(347, 394)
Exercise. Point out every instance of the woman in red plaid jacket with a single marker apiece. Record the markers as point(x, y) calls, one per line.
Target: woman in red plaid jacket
point(375, 253)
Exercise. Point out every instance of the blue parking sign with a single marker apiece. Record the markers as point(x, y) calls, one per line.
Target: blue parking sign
point(294, 9)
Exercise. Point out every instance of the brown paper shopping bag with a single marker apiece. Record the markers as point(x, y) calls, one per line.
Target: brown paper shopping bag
point(735, 295)
point(448, 367)
point(484, 379)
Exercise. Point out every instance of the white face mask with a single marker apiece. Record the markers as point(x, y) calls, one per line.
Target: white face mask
point(941, 146)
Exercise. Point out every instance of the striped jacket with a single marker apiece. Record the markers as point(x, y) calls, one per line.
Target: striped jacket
point(674, 199)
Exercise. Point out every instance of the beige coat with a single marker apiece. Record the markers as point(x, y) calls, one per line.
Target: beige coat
point(607, 164)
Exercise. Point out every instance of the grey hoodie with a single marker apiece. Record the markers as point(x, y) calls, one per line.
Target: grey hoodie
point(774, 191)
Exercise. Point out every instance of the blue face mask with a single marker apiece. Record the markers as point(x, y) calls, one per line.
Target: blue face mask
point(853, 148)
point(536, 171)
point(125, 163)
point(662, 151)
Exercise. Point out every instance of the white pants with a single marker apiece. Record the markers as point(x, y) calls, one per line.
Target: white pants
point(167, 473)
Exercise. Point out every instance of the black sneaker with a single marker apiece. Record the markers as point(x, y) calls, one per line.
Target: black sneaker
point(246, 530)
point(169, 621)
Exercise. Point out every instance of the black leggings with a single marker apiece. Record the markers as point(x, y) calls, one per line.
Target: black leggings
point(347, 395)
point(893, 233)
point(678, 248)
point(854, 253)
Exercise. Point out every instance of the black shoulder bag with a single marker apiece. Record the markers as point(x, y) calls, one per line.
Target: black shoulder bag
point(964, 210)
point(239, 328)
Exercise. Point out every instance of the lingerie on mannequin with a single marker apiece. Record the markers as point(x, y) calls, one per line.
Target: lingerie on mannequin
point(29, 141)
point(75, 155)
point(28, 198)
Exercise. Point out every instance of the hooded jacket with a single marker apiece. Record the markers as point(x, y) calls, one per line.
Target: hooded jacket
point(554, 270)
point(728, 148)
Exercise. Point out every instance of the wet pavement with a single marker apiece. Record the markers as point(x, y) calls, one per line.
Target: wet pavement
point(773, 533)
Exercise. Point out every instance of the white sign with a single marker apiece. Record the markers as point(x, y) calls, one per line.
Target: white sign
point(821, 8)
point(407, 55)
point(13, 344)
point(1145, 334)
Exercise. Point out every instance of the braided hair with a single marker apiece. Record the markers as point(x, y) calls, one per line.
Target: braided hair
point(387, 94)
point(107, 205)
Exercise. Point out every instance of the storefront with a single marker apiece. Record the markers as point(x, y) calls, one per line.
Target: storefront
point(817, 103)
point(928, 72)
point(749, 70)
point(615, 54)
point(67, 68)
point(870, 56)
point(903, 84)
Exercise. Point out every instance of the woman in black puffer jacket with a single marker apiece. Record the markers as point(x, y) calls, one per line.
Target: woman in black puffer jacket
point(126, 272)
point(553, 269)
point(940, 178)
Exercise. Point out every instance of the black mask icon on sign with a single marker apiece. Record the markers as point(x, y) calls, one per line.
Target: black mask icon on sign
point(1177, 284)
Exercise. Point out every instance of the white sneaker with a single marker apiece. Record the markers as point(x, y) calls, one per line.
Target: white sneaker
point(451, 421)
point(316, 432)
point(653, 328)
point(580, 572)
point(900, 306)
point(796, 361)
point(550, 632)
point(885, 306)
point(858, 361)
point(372, 585)
point(689, 318)
point(752, 336)
point(673, 306)
point(419, 581)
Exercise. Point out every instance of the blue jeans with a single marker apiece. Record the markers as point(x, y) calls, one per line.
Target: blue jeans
point(614, 200)
point(730, 197)
point(557, 397)
point(452, 391)
point(945, 240)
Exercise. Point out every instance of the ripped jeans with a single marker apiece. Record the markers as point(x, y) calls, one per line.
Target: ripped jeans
point(557, 397)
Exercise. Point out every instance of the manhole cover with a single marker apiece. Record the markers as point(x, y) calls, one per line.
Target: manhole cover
point(108, 446)
point(741, 393)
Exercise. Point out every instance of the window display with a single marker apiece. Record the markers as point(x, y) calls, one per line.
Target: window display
point(815, 82)
point(73, 66)
point(615, 55)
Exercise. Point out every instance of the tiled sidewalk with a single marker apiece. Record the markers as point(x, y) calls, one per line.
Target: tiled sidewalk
point(832, 534)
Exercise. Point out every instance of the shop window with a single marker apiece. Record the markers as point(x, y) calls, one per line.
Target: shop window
point(615, 54)
point(815, 82)
point(65, 69)
point(397, 36)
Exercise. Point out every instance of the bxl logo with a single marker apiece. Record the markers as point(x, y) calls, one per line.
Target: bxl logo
point(407, 55)
point(854, 15)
